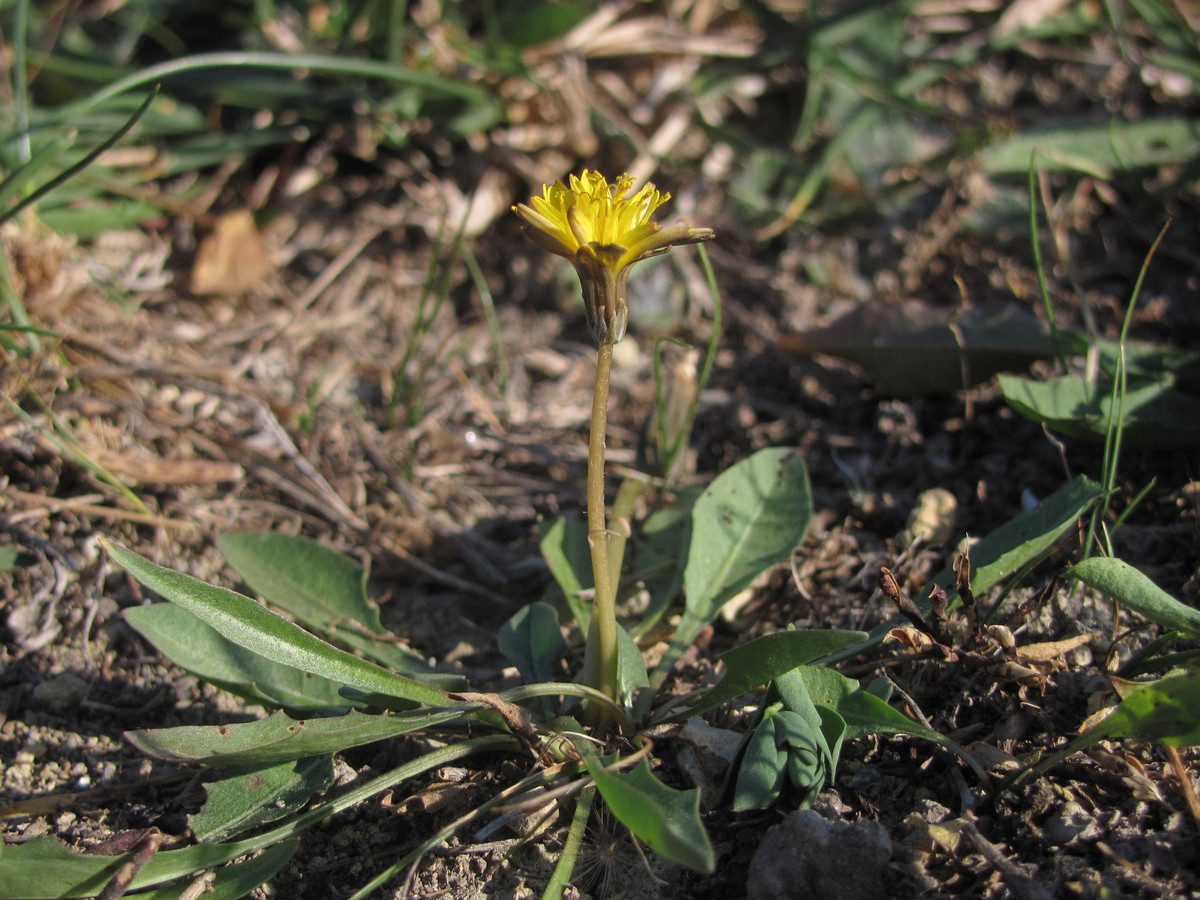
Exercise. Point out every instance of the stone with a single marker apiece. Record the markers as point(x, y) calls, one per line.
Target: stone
point(61, 693)
point(808, 856)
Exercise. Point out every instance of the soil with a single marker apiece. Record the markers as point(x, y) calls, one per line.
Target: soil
point(329, 400)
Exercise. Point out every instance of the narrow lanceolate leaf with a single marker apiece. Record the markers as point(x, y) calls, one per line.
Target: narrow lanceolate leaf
point(1122, 582)
point(250, 625)
point(280, 737)
point(323, 589)
point(235, 880)
point(196, 646)
point(666, 820)
point(44, 868)
point(1163, 711)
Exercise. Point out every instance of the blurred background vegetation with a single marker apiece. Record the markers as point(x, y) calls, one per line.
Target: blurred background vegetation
point(873, 151)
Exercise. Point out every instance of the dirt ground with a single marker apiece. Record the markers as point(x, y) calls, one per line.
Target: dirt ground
point(269, 409)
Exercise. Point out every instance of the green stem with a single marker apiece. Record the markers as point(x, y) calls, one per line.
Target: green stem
point(601, 659)
point(570, 851)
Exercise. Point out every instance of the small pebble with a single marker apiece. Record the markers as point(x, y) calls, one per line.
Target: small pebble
point(931, 811)
point(1069, 822)
point(61, 693)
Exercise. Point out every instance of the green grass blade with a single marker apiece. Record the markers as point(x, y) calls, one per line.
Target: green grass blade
point(310, 62)
point(87, 160)
point(556, 886)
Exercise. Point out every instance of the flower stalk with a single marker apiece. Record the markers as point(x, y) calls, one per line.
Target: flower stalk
point(600, 661)
point(603, 230)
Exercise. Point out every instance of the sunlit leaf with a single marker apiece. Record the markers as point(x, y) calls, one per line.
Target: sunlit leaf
point(324, 589)
point(1019, 542)
point(666, 820)
point(749, 519)
point(1121, 581)
point(195, 645)
point(250, 625)
point(1155, 413)
point(252, 797)
point(281, 737)
point(1099, 150)
point(759, 662)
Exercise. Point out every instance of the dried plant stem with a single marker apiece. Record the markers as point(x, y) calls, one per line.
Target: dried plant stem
point(601, 659)
point(1185, 782)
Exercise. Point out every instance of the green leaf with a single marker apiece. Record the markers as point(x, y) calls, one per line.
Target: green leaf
point(765, 659)
point(749, 519)
point(833, 728)
point(249, 625)
point(1156, 415)
point(252, 797)
point(1166, 711)
point(1142, 360)
point(762, 770)
point(660, 556)
point(237, 879)
point(280, 737)
point(809, 757)
point(1017, 543)
point(15, 558)
point(533, 642)
point(795, 742)
point(666, 820)
point(864, 713)
point(631, 670)
point(43, 868)
point(1025, 538)
point(565, 549)
point(1098, 150)
point(196, 646)
point(816, 718)
point(1122, 582)
point(324, 589)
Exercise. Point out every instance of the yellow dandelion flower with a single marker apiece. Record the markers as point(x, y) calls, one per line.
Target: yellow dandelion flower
point(603, 230)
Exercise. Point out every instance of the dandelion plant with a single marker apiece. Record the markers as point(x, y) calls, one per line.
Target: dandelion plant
point(603, 230)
